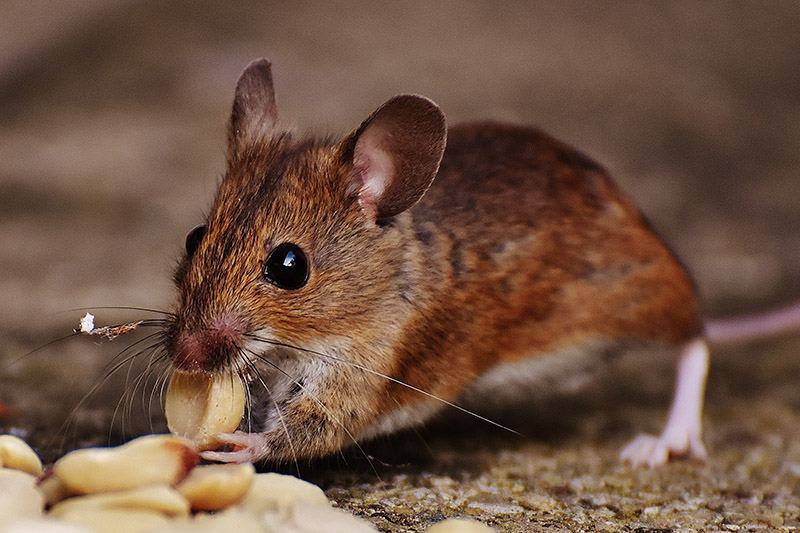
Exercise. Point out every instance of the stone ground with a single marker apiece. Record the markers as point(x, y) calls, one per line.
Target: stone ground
point(112, 123)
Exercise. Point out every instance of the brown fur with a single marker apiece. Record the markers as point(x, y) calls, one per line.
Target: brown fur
point(530, 248)
point(521, 246)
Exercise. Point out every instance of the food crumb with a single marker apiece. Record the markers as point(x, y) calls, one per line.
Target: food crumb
point(87, 324)
point(109, 332)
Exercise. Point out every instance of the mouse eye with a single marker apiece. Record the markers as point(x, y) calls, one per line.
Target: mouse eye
point(193, 239)
point(287, 267)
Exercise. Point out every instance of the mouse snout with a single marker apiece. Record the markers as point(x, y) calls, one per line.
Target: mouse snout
point(208, 348)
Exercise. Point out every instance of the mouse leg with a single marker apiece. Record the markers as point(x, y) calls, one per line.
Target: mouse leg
point(682, 434)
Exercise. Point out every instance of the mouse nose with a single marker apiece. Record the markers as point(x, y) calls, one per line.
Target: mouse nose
point(207, 349)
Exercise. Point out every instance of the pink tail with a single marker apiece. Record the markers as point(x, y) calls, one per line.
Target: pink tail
point(754, 326)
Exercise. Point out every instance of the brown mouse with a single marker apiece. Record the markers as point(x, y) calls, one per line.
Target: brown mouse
point(361, 284)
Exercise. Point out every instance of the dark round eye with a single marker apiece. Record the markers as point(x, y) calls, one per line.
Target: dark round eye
point(287, 267)
point(193, 239)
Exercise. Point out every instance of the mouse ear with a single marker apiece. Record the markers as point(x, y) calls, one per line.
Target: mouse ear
point(254, 111)
point(396, 154)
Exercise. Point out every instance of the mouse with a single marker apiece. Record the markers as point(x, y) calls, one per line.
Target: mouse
point(361, 285)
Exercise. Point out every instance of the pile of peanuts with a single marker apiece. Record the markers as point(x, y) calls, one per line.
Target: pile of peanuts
point(156, 484)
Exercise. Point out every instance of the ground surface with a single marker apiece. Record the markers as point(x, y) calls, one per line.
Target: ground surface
point(112, 119)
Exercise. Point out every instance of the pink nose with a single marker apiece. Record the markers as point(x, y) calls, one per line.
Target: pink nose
point(207, 349)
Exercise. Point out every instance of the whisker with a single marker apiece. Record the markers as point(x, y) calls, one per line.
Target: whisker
point(108, 371)
point(252, 367)
point(146, 323)
point(389, 378)
point(127, 349)
point(117, 308)
point(86, 397)
point(128, 397)
point(158, 356)
point(162, 382)
point(324, 408)
point(18, 359)
point(142, 379)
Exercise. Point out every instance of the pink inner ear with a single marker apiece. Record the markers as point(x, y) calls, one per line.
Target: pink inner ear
point(374, 167)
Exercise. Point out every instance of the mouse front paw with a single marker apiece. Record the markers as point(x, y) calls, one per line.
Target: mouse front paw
point(652, 451)
point(242, 447)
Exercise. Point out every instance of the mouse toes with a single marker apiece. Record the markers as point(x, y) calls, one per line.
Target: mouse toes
point(651, 451)
point(241, 447)
point(645, 450)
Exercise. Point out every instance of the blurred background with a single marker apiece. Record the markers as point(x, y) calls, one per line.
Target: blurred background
point(112, 138)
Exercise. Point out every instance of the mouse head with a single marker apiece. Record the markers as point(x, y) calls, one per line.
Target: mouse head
point(303, 242)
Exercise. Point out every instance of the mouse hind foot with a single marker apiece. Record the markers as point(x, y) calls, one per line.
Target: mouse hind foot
point(682, 436)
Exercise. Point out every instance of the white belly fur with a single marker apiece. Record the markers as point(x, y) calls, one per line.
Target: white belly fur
point(522, 382)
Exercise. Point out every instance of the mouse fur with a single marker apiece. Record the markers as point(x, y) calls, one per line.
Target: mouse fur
point(435, 256)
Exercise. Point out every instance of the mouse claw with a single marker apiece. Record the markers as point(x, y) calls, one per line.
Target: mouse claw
point(244, 448)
